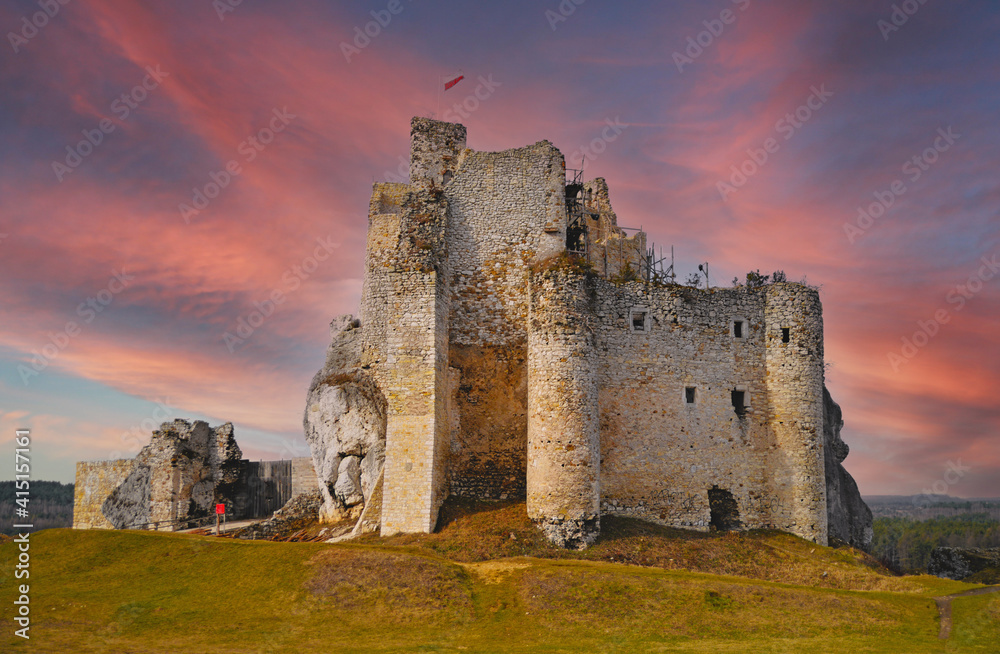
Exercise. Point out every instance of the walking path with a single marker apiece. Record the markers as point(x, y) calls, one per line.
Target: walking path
point(229, 526)
point(944, 607)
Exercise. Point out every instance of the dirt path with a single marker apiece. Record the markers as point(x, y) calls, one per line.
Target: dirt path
point(944, 607)
point(229, 526)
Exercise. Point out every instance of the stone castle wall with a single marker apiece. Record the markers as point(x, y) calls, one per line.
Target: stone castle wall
point(303, 476)
point(505, 212)
point(610, 248)
point(663, 450)
point(408, 301)
point(564, 453)
point(179, 476)
point(794, 374)
point(500, 205)
point(582, 392)
point(95, 480)
point(444, 314)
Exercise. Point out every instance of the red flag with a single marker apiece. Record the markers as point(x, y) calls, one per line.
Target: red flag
point(453, 81)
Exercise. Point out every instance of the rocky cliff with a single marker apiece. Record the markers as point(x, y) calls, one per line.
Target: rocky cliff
point(966, 563)
point(849, 518)
point(344, 423)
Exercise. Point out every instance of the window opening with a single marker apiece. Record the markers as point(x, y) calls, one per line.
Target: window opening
point(786, 334)
point(738, 403)
point(689, 395)
point(738, 329)
point(638, 321)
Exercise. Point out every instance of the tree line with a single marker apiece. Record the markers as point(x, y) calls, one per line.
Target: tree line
point(50, 505)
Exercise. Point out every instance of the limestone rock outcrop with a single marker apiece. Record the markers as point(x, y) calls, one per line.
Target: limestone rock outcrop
point(345, 420)
point(849, 518)
point(964, 562)
point(185, 469)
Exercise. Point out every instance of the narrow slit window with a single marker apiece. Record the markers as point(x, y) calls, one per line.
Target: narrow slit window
point(786, 334)
point(739, 403)
point(738, 329)
point(689, 395)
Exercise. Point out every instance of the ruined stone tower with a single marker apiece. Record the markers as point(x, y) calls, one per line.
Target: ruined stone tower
point(514, 344)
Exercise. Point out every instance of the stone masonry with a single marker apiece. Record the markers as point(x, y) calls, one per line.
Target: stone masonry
point(172, 479)
point(506, 350)
point(185, 470)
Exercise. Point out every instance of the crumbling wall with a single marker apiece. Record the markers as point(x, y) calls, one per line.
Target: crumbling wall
point(659, 382)
point(95, 480)
point(377, 289)
point(505, 212)
point(489, 444)
point(185, 469)
point(613, 251)
point(499, 206)
point(435, 147)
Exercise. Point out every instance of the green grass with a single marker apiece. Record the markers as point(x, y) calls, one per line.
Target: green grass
point(103, 591)
point(975, 622)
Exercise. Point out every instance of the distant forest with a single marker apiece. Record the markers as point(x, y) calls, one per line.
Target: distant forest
point(925, 507)
point(50, 505)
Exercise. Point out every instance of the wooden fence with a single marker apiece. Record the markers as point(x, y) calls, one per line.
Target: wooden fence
point(266, 486)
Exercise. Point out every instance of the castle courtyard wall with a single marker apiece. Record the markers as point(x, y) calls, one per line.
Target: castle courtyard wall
point(506, 211)
point(661, 454)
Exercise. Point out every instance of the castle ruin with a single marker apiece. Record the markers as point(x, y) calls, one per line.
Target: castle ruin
point(513, 342)
point(176, 481)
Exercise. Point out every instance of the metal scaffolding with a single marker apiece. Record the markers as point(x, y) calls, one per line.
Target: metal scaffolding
point(652, 269)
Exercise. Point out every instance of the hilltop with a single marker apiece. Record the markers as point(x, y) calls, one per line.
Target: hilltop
point(485, 581)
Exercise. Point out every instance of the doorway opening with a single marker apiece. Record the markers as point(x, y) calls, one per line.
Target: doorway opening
point(725, 514)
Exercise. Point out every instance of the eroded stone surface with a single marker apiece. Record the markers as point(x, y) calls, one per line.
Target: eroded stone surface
point(345, 421)
point(961, 562)
point(184, 471)
point(572, 534)
point(849, 518)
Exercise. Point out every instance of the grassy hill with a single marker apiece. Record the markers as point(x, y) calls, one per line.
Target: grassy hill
point(485, 583)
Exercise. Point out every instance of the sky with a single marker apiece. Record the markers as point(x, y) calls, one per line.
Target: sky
point(167, 168)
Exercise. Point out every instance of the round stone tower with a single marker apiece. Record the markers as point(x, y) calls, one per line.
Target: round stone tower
point(793, 319)
point(563, 484)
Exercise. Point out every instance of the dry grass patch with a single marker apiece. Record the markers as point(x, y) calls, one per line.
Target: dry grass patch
point(471, 531)
point(408, 587)
point(494, 572)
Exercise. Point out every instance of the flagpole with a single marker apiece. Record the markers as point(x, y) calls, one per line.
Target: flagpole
point(438, 112)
